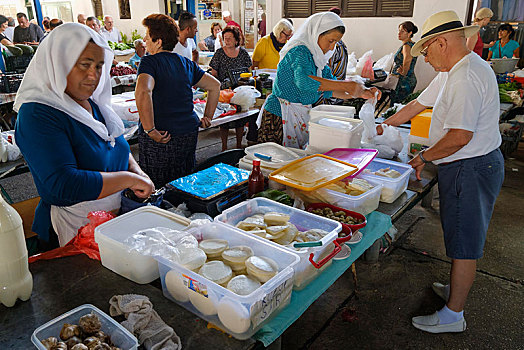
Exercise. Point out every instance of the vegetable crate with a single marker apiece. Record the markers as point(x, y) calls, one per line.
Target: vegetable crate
point(17, 64)
point(10, 82)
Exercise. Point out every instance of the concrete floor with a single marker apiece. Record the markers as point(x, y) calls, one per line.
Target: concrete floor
point(376, 314)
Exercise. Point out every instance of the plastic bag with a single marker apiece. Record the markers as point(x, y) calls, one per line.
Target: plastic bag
point(82, 243)
point(362, 61)
point(389, 144)
point(385, 62)
point(352, 64)
point(245, 96)
point(160, 241)
point(367, 71)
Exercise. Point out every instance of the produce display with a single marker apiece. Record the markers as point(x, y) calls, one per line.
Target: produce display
point(117, 71)
point(86, 335)
point(277, 228)
point(511, 93)
point(120, 46)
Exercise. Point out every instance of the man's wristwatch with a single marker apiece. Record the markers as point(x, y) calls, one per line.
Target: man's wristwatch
point(422, 158)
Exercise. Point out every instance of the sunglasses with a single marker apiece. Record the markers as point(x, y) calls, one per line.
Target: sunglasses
point(424, 51)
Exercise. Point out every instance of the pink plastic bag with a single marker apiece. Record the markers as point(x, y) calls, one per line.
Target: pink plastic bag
point(82, 243)
point(367, 71)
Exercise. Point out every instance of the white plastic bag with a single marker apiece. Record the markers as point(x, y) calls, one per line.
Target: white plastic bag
point(160, 241)
point(245, 96)
point(352, 64)
point(367, 115)
point(389, 144)
point(385, 63)
point(362, 61)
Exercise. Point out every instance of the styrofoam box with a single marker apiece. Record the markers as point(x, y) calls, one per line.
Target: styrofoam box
point(332, 110)
point(115, 255)
point(120, 336)
point(305, 272)
point(391, 188)
point(324, 138)
point(239, 315)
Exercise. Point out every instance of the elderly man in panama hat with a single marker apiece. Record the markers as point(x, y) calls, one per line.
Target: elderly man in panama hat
point(465, 140)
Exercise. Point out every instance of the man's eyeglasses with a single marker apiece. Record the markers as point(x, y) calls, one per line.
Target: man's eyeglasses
point(424, 51)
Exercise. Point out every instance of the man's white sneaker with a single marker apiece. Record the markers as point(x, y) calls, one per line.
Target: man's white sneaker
point(441, 290)
point(431, 324)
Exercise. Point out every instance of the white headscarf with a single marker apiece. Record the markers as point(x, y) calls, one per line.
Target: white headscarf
point(308, 35)
point(45, 79)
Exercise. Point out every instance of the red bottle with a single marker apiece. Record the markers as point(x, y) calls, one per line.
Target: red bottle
point(256, 179)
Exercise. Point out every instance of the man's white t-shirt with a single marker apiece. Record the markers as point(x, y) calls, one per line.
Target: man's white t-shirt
point(113, 35)
point(467, 98)
point(186, 51)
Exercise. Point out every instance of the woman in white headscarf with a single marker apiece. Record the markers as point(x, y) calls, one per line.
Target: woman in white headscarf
point(285, 115)
point(70, 136)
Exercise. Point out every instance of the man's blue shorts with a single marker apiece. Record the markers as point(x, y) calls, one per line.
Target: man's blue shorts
point(468, 189)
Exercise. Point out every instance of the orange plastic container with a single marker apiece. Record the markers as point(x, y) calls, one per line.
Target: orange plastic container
point(420, 124)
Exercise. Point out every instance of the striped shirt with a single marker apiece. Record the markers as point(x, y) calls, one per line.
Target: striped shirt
point(339, 61)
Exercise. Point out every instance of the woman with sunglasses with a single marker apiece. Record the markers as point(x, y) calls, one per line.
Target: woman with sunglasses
point(266, 54)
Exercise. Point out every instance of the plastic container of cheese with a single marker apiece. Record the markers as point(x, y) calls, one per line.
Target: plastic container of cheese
point(239, 315)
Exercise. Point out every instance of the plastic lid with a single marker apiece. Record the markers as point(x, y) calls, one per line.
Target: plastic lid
point(245, 75)
point(313, 172)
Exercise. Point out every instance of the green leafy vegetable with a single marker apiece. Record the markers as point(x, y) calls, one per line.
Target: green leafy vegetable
point(277, 196)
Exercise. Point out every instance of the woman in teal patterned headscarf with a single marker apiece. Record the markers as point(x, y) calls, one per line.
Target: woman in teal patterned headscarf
point(404, 63)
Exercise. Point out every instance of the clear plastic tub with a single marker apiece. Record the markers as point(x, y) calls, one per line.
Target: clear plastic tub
point(120, 336)
point(115, 255)
point(363, 204)
point(324, 138)
point(391, 188)
point(280, 155)
point(239, 315)
point(305, 272)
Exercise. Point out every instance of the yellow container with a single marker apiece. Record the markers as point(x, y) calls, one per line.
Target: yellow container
point(420, 124)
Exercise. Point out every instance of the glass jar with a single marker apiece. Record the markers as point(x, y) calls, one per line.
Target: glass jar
point(246, 80)
point(264, 84)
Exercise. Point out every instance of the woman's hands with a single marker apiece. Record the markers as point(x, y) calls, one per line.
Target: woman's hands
point(142, 186)
point(160, 136)
point(370, 93)
point(206, 122)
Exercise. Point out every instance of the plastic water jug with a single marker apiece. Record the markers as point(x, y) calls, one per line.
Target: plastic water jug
point(15, 279)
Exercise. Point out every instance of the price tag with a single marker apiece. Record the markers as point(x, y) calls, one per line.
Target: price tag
point(262, 309)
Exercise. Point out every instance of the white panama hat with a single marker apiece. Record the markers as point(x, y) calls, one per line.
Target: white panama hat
point(438, 24)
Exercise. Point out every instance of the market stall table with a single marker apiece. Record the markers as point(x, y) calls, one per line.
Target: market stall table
point(65, 283)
